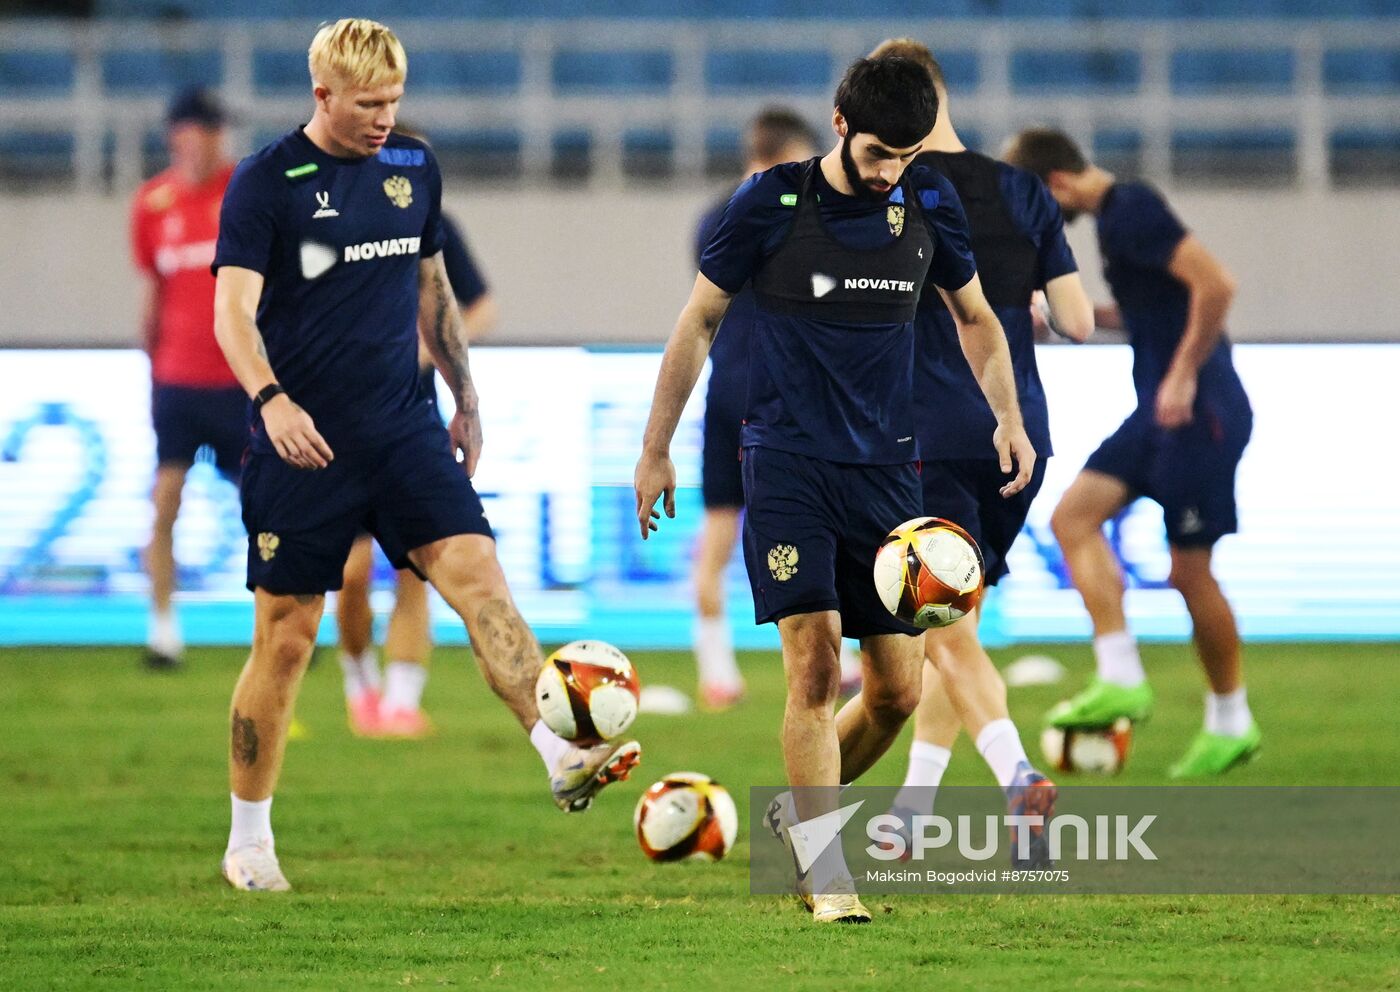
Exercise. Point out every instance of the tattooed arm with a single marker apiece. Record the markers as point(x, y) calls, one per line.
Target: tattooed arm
point(445, 336)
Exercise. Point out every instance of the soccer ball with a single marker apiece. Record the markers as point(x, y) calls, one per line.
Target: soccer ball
point(929, 572)
point(587, 692)
point(1096, 750)
point(686, 816)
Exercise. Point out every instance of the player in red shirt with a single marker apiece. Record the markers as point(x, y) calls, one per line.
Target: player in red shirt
point(195, 399)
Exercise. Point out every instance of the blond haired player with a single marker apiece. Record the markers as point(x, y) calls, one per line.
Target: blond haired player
point(329, 248)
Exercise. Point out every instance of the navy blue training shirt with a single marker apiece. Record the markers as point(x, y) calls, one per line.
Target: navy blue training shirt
point(1138, 234)
point(468, 284)
point(807, 375)
point(338, 242)
point(953, 417)
point(729, 352)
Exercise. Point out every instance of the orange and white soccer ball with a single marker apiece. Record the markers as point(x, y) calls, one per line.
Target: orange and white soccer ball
point(587, 692)
point(1095, 750)
point(929, 572)
point(686, 816)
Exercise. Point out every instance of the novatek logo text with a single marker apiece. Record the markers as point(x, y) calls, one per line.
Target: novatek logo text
point(894, 285)
point(381, 249)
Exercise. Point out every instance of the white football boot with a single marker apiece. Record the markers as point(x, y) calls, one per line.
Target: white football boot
point(583, 771)
point(254, 868)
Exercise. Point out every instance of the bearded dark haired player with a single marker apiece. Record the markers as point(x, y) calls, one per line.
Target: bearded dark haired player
point(837, 250)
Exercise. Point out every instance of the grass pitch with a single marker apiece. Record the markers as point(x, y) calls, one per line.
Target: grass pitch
point(443, 864)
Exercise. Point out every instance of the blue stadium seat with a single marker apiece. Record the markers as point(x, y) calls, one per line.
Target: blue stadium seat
point(1366, 140)
point(1241, 140)
point(1223, 70)
point(612, 72)
point(767, 70)
point(1106, 70)
point(471, 72)
point(1116, 141)
point(1361, 70)
point(36, 149)
point(279, 71)
point(146, 70)
point(37, 72)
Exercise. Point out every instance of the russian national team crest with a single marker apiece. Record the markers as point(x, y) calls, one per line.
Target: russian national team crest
point(399, 191)
point(895, 217)
point(782, 562)
point(267, 545)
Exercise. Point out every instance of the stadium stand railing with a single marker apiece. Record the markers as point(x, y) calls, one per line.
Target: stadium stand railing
point(1313, 103)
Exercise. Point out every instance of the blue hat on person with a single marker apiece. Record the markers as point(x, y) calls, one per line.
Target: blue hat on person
point(196, 105)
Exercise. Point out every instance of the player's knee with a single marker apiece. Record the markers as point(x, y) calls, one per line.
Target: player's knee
point(354, 584)
point(891, 702)
point(707, 601)
point(815, 686)
point(463, 571)
point(1068, 524)
point(286, 649)
point(284, 640)
point(165, 500)
point(944, 654)
point(1190, 576)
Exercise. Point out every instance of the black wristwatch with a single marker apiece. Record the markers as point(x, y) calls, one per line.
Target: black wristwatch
point(267, 393)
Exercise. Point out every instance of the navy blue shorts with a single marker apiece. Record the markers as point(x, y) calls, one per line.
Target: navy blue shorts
point(186, 418)
point(967, 492)
point(1190, 471)
point(302, 523)
point(811, 531)
point(721, 480)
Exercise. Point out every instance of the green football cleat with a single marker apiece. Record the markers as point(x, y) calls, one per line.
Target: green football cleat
point(1215, 754)
point(1100, 704)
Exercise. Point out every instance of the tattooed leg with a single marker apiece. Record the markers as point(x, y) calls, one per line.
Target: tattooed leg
point(244, 739)
point(284, 632)
point(465, 571)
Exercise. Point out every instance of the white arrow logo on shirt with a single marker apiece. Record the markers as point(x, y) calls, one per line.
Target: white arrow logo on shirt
point(821, 285)
point(316, 260)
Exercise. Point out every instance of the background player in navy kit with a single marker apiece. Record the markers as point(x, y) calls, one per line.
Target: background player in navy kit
point(837, 249)
point(1180, 447)
point(775, 136)
point(328, 256)
point(1019, 243)
point(390, 705)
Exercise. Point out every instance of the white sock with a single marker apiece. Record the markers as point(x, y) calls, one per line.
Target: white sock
point(549, 744)
point(403, 685)
point(1228, 714)
point(714, 652)
point(163, 633)
point(252, 823)
point(1000, 745)
point(1118, 661)
point(850, 662)
point(361, 673)
point(927, 763)
point(829, 873)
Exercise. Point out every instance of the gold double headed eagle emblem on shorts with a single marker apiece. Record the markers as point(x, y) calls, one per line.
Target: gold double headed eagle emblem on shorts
point(782, 562)
point(399, 191)
point(267, 545)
